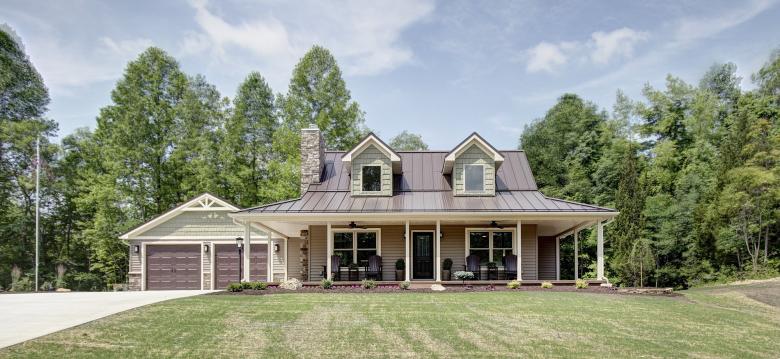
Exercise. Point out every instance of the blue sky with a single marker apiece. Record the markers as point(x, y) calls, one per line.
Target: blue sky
point(440, 69)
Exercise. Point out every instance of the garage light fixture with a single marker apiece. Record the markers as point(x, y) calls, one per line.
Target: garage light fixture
point(136, 248)
point(239, 242)
point(205, 248)
point(276, 247)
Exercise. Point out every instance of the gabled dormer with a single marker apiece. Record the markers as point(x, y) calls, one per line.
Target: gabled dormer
point(473, 165)
point(371, 165)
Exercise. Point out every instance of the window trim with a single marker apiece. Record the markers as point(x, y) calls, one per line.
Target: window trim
point(490, 241)
point(354, 232)
point(465, 189)
point(381, 187)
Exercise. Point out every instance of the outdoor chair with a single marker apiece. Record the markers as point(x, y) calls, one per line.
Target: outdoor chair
point(374, 268)
point(472, 265)
point(335, 267)
point(510, 266)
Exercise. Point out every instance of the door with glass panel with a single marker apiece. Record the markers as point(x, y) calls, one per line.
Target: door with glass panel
point(422, 255)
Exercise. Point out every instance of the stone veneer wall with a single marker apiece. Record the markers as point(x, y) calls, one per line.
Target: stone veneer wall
point(134, 281)
point(312, 156)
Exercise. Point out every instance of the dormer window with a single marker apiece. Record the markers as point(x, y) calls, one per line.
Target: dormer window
point(372, 178)
point(474, 178)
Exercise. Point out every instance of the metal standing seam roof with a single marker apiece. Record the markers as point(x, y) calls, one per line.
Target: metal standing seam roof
point(421, 187)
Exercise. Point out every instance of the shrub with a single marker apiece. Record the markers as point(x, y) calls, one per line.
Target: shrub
point(291, 284)
point(447, 265)
point(259, 285)
point(235, 287)
point(326, 284)
point(547, 285)
point(60, 283)
point(400, 264)
point(580, 284)
point(246, 285)
point(513, 284)
point(85, 281)
point(368, 284)
point(23, 284)
point(463, 275)
point(47, 286)
point(405, 285)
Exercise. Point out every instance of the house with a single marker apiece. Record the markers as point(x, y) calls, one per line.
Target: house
point(372, 204)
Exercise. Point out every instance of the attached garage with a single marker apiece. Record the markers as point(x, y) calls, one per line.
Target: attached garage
point(193, 246)
point(173, 267)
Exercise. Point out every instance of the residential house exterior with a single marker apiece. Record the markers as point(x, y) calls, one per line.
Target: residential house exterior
point(369, 207)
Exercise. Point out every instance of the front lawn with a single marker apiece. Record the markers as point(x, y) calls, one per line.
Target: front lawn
point(713, 322)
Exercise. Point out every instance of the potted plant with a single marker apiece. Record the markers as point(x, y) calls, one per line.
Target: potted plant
point(446, 269)
point(400, 267)
point(464, 276)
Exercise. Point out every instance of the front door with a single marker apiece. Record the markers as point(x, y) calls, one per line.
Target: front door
point(422, 255)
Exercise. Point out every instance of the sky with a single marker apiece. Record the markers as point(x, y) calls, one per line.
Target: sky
point(442, 69)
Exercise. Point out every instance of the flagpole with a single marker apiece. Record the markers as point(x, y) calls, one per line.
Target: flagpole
point(37, 202)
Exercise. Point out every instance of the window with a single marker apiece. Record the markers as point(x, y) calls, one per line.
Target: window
point(355, 246)
point(474, 178)
point(372, 178)
point(490, 246)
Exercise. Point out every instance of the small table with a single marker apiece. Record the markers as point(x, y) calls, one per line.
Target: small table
point(492, 273)
point(353, 274)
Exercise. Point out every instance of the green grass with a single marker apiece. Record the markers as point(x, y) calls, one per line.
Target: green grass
point(730, 321)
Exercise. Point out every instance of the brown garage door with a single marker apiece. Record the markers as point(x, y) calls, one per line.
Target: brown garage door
point(258, 261)
point(225, 264)
point(174, 266)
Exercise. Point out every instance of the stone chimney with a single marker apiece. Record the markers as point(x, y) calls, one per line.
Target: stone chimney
point(312, 156)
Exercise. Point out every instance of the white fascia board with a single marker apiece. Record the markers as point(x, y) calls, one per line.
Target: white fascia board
point(476, 140)
point(399, 216)
point(224, 206)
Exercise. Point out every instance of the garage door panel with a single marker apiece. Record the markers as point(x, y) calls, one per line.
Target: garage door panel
point(258, 262)
point(173, 266)
point(226, 264)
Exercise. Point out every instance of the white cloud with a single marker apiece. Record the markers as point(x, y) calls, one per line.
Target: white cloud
point(618, 43)
point(690, 29)
point(601, 48)
point(365, 38)
point(548, 56)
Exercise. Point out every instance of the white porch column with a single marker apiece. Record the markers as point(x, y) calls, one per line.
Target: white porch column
point(270, 247)
point(329, 253)
point(407, 243)
point(600, 250)
point(557, 258)
point(245, 251)
point(286, 263)
point(437, 249)
point(576, 254)
point(519, 249)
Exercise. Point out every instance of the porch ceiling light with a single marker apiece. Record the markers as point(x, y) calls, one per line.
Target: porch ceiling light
point(239, 242)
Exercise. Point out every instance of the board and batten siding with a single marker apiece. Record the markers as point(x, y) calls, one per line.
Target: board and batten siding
point(372, 156)
point(547, 258)
point(528, 252)
point(474, 156)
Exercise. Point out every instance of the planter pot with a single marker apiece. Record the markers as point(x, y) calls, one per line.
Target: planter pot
point(446, 274)
point(399, 275)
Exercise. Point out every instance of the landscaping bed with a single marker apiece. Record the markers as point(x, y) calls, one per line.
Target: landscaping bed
point(274, 289)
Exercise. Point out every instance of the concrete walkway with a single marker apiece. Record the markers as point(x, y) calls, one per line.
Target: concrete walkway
point(30, 315)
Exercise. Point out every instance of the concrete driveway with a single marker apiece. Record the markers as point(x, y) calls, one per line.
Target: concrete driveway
point(30, 315)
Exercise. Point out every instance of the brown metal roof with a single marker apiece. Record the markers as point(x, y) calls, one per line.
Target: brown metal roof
point(421, 187)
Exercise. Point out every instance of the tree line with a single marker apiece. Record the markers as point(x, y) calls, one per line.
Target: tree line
point(691, 168)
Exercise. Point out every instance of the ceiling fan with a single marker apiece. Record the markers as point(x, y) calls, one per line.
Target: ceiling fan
point(495, 224)
point(353, 225)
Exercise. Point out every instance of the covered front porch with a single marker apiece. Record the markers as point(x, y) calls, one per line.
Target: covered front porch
point(395, 247)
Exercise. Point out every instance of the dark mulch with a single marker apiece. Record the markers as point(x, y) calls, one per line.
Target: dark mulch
point(450, 289)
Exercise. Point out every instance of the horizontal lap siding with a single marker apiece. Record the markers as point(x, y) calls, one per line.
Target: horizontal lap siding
point(474, 156)
point(318, 250)
point(375, 157)
point(392, 249)
point(529, 252)
point(135, 258)
point(279, 263)
point(547, 258)
point(453, 245)
point(294, 258)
